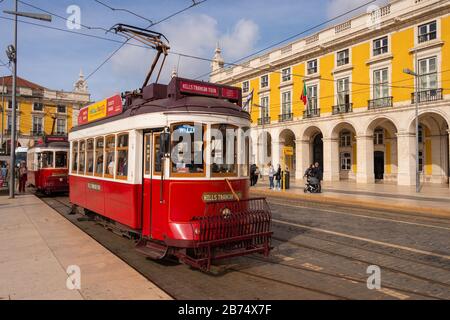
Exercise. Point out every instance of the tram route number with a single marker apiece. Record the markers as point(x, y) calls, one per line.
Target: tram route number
point(94, 186)
point(227, 310)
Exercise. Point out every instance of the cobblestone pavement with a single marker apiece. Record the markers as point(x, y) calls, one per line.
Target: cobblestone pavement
point(320, 252)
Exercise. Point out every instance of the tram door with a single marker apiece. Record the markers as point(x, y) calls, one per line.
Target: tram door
point(152, 206)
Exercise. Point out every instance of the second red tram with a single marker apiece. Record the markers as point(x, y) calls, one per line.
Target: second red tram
point(172, 166)
point(48, 165)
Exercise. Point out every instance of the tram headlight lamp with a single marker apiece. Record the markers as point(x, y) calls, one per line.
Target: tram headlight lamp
point(197, 231)
point(226, 213)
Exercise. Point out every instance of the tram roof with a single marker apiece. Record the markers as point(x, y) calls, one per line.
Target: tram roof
point(188, 104)
point(51, 145)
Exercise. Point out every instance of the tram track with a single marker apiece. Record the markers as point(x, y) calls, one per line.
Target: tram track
point(280, 282)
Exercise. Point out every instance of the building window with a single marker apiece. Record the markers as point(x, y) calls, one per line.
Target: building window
point(61, 108)
point(37, 125)
point(312, 66)
point(378, 137)
point(343, 92)
point(420, 161)
point(82, 157)
point(122, 156)
point(343, 57)
point(428, 74)
point(10, 105)
point(245, 86)
point(38, 106)
point(264, 81)
point(110, 148)
point(346, 139)
point(427, 32)
point(380, 46)
point(286, 106)
point(312, 99)
point(380, 84)
point(264, 107)
point(61, 126)
point(90, 156)
point(99, 148)
point(286, 74)
point(74, 157)
point(346, 161)
point(223, 150)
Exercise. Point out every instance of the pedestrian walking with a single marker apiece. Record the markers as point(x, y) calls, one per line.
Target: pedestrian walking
point(23, 172)
point(318, 173)
point(257, 173)
point(252, 174)
point(278, 177)
point(271, 176)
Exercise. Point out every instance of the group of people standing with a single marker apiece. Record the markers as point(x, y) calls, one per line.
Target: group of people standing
point(20, 174)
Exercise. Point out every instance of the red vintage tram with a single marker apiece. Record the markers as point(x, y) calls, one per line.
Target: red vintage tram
point(47, 165)
point(171, 166)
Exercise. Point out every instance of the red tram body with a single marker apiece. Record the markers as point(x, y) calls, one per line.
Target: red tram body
point(123, 169)
point(47, 165)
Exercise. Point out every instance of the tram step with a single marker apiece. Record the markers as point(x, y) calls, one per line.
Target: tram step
point(151, 249)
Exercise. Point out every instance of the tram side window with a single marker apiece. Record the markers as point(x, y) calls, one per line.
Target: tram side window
point(47, 159)
point(60, 159)
point(157, 155)
point(223, 150)
point(122, 156)
point(99, 146)
point(82, 160)
point(110, 149)
point(74, 157)
point(90, 156)
point(187, 150)
point(147, 153)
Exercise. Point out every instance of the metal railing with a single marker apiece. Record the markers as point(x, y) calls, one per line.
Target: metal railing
point(384, 102)
point(265, 120)
point(36, 133)
point(285, 117)
point(427, 95)
point(311, 113)
point(343, 108)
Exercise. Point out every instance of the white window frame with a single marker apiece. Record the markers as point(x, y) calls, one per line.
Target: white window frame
point(373, 46)
point(307, 67)
point(34, 103)
point(42, 123)
point(65, 125)
point(416, 32)
point(428, 33)
point(376, 136)
point(383, 85)
point(266, 107)
point(345, 161)
point(308, 90)
point(261, 81)
point(286, 77)
point(245, 86)
point(428, 74)
point(348, 57)
point(61, 105)
point(346, 137)
point(284, 103)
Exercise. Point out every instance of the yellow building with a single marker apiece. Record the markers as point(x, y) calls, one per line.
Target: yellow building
point(359, 119)
point(40, 111)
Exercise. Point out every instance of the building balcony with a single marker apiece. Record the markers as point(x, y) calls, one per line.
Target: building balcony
point(343, 108)
point(263, 121)
point(384, 102)
point(285, 117)
point(427, 95)
point(311, 113)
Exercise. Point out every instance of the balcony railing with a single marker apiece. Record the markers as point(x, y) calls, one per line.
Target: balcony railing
point(311, 113)
point(263, 121)
point(384, 102)
point(427, 95)
point(36, 133)
point(343, 108)
point(285, 117)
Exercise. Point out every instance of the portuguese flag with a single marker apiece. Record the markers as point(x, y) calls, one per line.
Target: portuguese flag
point(304, 96)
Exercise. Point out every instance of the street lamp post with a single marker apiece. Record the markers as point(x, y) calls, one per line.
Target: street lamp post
point(12, 56)
point(416, 100)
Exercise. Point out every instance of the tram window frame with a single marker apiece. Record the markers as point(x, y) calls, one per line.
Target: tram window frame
point(55, 157)
point(172, 144)
point(74, 158)
point(224, 156)
point(48, 154)
point(244, 168)
point(156, 145)
point(113, 150)
point(80, 142)
point(96, 154)
point(89, 150)
point(118, 150)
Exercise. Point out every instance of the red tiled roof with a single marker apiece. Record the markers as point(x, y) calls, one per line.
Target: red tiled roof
point(20, 83)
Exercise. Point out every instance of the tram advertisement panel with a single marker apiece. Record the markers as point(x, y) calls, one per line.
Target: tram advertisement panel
point(105, 108)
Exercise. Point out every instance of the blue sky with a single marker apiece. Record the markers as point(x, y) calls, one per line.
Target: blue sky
point(53, 58)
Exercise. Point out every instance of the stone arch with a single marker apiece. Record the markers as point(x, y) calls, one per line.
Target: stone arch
point(287, 145)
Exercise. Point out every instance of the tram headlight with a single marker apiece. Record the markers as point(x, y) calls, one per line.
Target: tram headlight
point(197, 231)
point(226, 213)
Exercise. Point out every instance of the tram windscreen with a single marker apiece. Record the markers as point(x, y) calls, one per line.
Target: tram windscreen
point(187, 149)
point(46, 159)
point(223, 150)
point(60, 159)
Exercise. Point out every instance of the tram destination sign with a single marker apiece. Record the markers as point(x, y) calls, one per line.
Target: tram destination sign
point(102, 109)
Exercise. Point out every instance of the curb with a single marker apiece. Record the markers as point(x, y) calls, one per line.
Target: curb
point(367, 204)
